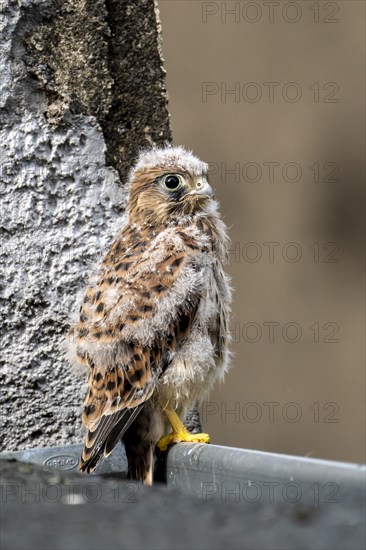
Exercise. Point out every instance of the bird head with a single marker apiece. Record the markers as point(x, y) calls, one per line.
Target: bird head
point(167, 184)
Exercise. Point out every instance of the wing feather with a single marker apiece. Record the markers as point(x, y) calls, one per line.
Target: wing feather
point(130, 323)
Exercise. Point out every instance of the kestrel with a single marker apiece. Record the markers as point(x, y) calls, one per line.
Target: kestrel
point(153, 325)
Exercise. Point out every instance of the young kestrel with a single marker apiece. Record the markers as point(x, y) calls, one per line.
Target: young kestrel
point(153, 326)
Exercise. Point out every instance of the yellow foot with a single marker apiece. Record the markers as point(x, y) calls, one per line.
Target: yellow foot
point(183, 435)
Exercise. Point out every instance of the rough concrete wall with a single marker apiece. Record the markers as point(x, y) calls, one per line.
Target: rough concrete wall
point(82, 89)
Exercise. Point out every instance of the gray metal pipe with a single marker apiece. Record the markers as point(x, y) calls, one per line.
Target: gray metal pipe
point(212, 471)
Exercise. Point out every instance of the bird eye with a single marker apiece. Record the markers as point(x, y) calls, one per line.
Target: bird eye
point(172, 182)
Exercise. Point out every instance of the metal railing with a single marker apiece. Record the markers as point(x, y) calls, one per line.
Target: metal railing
point(269, 500)
point(209, 470)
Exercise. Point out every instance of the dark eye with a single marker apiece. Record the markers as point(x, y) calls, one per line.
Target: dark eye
point(172, 182)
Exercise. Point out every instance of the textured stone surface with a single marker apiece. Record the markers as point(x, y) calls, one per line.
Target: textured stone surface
point(77, 94)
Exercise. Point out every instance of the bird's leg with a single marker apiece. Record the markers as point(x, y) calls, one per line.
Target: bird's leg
point(179, 432)
point(148, 479)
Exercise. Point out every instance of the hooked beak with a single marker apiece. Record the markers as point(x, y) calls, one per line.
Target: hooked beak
point(201, 188)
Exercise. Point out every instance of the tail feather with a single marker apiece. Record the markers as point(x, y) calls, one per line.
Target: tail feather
point(101, 441)
point(119, 429)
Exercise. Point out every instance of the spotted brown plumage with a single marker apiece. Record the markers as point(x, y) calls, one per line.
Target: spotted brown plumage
point(153, 322)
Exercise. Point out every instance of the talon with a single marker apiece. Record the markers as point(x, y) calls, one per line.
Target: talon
point(179, 433)
point(165, 441)
point(179, 437)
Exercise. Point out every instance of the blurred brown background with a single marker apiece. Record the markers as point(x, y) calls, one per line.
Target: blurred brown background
point(292, 133)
